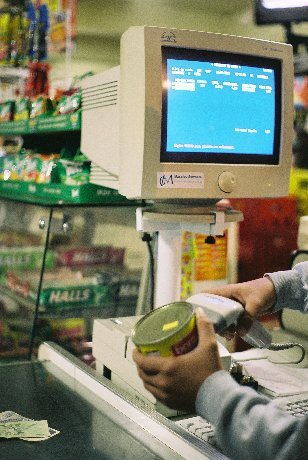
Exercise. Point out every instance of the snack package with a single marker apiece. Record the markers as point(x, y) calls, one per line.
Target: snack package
point(6, 111)
point(123, 283)
point(4, 36)
point(46, 166)
point(73, 172)
point(17, 43)
point(38, 16)
point(9, 167)
point(32, 167)
point(18, 172)
point(41, 106)
point(22, 109)
point(79, 156)
point(69, 104)
point(38, 81)
point(83, 256)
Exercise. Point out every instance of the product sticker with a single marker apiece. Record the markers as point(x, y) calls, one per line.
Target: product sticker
point(169, 326)
point(180, 180)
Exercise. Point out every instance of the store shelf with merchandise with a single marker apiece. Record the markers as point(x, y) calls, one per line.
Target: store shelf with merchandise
point(68, 253)
point(49, 135)
point(41, 125)
point(61, 267)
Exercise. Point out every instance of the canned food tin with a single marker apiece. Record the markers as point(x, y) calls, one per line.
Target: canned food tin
point(166, 331)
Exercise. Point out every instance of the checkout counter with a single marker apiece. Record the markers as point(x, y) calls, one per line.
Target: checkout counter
point(96, 421)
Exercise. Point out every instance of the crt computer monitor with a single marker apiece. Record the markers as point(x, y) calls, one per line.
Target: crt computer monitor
point(204, 116)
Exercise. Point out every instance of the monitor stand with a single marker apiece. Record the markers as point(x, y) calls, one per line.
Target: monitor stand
point(170, 221)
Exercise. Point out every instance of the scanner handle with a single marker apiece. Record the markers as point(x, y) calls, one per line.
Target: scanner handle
point(224, 312)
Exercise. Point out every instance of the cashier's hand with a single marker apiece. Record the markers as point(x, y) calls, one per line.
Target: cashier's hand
point(175, 380)
point(256, 296)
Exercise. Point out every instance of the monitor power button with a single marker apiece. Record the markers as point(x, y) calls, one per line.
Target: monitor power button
point(227, 182)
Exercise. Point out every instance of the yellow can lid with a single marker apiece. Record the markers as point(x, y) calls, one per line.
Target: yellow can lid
point(162, 323)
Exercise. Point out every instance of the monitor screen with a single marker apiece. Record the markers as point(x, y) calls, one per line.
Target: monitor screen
point(220, 107)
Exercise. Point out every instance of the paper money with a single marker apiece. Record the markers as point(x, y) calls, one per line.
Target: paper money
point(10, 416)
point(24, 428)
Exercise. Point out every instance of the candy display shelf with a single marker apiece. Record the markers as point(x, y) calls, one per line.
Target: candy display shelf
point(43, 124)
point(108, 309)
point(60, 194)
point(52, 130)
point(47, 214)
point(58, 264)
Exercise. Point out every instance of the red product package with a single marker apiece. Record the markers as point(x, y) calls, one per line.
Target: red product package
point(78, 257)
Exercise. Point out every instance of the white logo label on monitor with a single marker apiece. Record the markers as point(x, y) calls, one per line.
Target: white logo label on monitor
point(180, 180)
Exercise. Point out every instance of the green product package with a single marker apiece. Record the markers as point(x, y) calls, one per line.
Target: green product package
point(9, 166)
point(22, 109)
point(41, 107)
point(79, 156)
point(20, 161)
point(74, 296)
point(32, 167)
point(47, 165)
point(25, 258)
point(69, 104)
point(7, 111)
point(73, 172)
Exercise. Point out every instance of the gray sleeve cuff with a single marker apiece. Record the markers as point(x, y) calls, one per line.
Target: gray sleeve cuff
point(243, 419)
point(291, 288)
point(213, 393)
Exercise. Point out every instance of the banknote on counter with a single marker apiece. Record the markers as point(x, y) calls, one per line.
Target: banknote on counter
point(8, 417)
point(24, 429)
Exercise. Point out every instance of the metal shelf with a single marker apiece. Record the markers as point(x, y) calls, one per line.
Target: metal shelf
point(110, 309)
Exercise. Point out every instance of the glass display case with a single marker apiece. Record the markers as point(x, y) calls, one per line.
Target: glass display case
point(61, 267)
point(69, 250)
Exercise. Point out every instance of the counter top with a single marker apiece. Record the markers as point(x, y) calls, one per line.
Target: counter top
point(94, 421)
